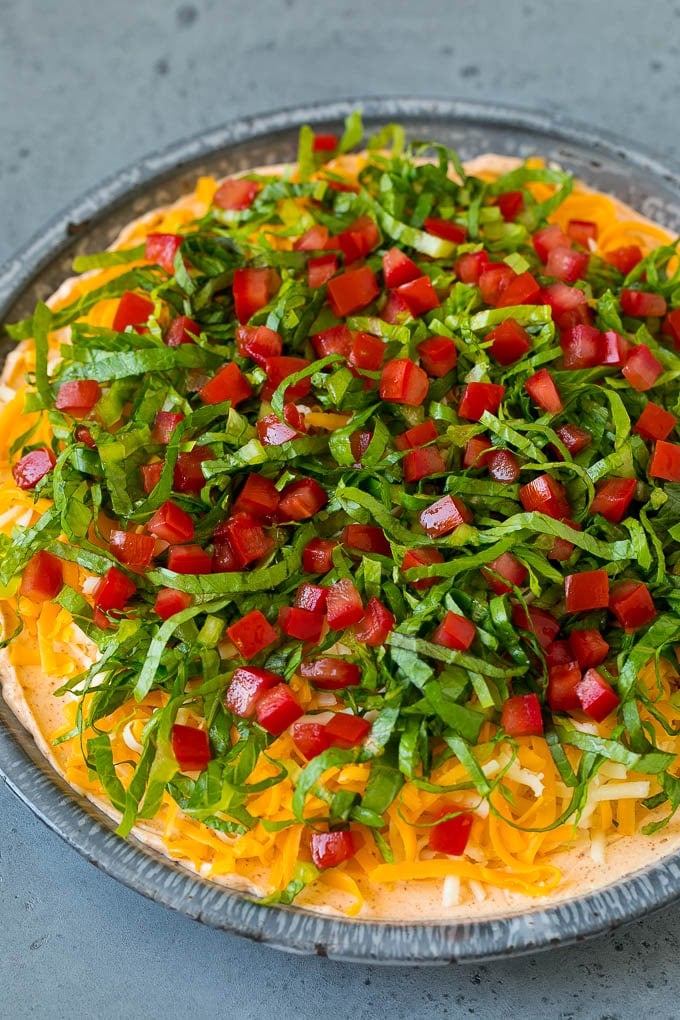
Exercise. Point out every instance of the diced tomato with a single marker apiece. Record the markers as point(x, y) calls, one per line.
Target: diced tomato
point(161, 249)
point(277, 709)
point(151, 475)
point(311, 597)
point(582, 232)
point(258, 343)
point(574, 438)
point(438, 355)
point(596, 697)
point(329, 849)
point(511, 204)
point(560, 550)
point(135, 551)
point(665, 462)
point(423, 463)
point(365, 538)
point(225, 560)
point(642, 369)
point(671, 326)
point(543, 391)
point(302, 624)
point(403, 382)
point(188, 474)
point(171, 524)
point(395, 309)
point(78, 397)
point(444, 515)
point(398, 268)
point(335, 340)
point(325, 143)
point(252, 633)
point(509, 341)
point(613, 497)
point(558, 653)
point(470, 266)
point(310, 738)
point(587, 590)
point(566, 264)
point(563, 680)
point(301, 499)
point(539, 621)
point(228, 384)
point(317, 555)
point(477, 452)
point(247, 537)
point(259, 497)
point(294, 417)
point(189, 559)
point(236, 193)
point(421, 557)
point(33, 467)
point(43, 577)
point(454, 631)
point(631, 604)
point(480, 397)
point(190, 747)
point(132, 310)
point(314, 239)
point(331, 674)
point(359, 443)
point(624, 258)
point(493, 280)
point(352, 291)
point(545, 495)
point(360, 238)
point(642, 303)
point(503, 466)
point(170, 601)
point(83, 435)
point(272, 431)
point(419, 295)
point(375, 625)
point(445, 229)
point(247, 685)
point(588, 647)
point(582, 347)
point(509, 569)
point(451, 836)
point(164, 425)
point(181, 330)
point(113, 590)
point(569, 304)
point(252, 290)
point(280, 368)
point(321, 269)
point(521, 716)
point(347, 730)
point(614, 349)
point(655, 422)
point(343, 606)
point(547, 238)
point(521, 289)
point(367, 352)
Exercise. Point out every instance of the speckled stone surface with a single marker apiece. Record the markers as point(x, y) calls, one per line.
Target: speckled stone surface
point(88, 88)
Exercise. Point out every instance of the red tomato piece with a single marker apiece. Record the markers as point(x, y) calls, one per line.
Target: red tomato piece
point(336, 340)
point(451, 836)
point(302, 624)
point(272, 431)
point(503, 466)
point(359, 443)
point(545, 495)
point(505, 568)
point(83, 435)
point(642, 369)
point(547, 238)
point(329, 849)
point(313, 239)
point(321, 269)
point(587, 590)
point(582, 232)
point(419, 295)
point(325, 143)
point(511, 204)
point(454, 631)
point(614, 349)
point(252, 290)
point(563, 680)
point(113, 590)
point(259, 497)
point(480, 397)
point(247, 685)
point(310, 738)
point(438, 355)
point(190, 747)
point(671, 326)
point(311, 597)
point(151, 475)
point(477, 452)
point(574, 438)
point(171, 524)
point(521, 716)
point(43, 577)
point(252, 633)
point(343, 605)
point(540, 622)
point(566, 264)
point(444, 515)
point(236, 193)
point(367, 352)
point(360, 238)
point(403, 382)
point(280, 368)
point(470, 266)
point(225, 560)
point(330, 674)
point(277, 709)
point(78, 397)
point(588, 647)
point(181, 330)
point(189, 559)
point(582, 347)
point(521, 289)
point(164, 425)
point(352, 291)
point(558, 654)
point(631, 604)
point(375, 625)
point(170, 601)
point(665, 462)
point(624, 258)
point(317, 555)
point(642, 303)
point(258, 343)
point(509, 341)
point(395, 308)
point(543, 391)
point(613, 497)
point(132, 310)
point(560, 550)
point(422, 557)
point(423, 463)
point(347, 730)
point(161, 249)
point(188, 474)
point(398, 268)
point(655, 422)
point(135, 551)
point(569, 304)
point(417, 436)
point(445, 229)
point(301, 499)
point(228, 384)
point(33, 467)
point(247, 537)
point(596, 697)
point(493, 280)
point(365, 538)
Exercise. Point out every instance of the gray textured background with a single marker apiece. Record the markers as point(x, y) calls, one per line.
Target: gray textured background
point(85, 89)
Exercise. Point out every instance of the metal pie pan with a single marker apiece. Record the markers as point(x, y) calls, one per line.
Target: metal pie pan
point(642, 180)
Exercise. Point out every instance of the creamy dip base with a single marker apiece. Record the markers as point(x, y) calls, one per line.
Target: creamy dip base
point(30, 696)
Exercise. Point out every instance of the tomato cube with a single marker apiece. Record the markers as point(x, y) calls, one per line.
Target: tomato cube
point(582, 232)
point(258, 343)
point(404, 382)
point(331, 674)
point(236, 193)
point(247, 685)
point(113, 590)
point(272, 431)
point(451, 836)
point(540, 622)
point(493, 280)
point(642, 369)
point(547, 238)
point(511, 204)
point(566, 264)
point(190, 747)
point(574, 437)
point(321, 269)
point(587, 590)
point(33, 467)
point(503, 466)
point(375, 625)
point(563, 680)
point(329, 849)
point(246, 537)
point(422, 557)
point(164, 425)
point(543, 391)
point(277, 709)
point(133, 310)
point(417, 436)
point(509, 341)
point(151, 475)
point(444, 515)
point(360, 238)
point(303, 624)
point(423, 463)
point(43, 577)
point(188, 475)
point(665, 462)
point(569, 304)
point(317, 555)
point(505, 568)
point(301, 499)
point(170, 601)
point(480, 397)
point(625, 258)
point(347, 730)
point(641, 303)
point(438, 355)
point(582, 347)
point(313, 239)
point(470, 266)
point(614, 349)
point(445, 229)
point(343, 606)
point(588, 647)
point(171, 524)
point(613, 497)
point(161, 249)
point(252, 290)
point(398, 268)
point(135, 551)
point(367, 352)
point(310, 738)
point(454, 631)
point(252, 633)
point(258, 497)
point(189, 559)
point(78, 397)
point(521, 716)
point(477, 452)
point(365, 538)
point(545, 495)
point(655, 422)
point(281, 368)
point(631, 604)
point(521, 289)
point(419, 295)
point(311, 597)
point(181, 330)
point(352, 291)
point(596, 697)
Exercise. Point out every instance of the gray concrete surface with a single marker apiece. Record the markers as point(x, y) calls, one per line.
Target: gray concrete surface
point(86, 88)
